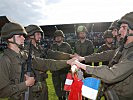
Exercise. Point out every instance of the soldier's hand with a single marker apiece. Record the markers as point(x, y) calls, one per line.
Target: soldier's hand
point(76, 56)
point(79, 58)
point(29, 80)
point(73, 55)
point(70, 61)
point(78, 64)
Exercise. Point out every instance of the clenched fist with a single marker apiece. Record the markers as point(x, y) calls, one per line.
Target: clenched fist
point(29, 80)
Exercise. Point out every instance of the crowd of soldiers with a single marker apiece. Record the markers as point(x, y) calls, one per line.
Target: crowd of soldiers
point(116, 55)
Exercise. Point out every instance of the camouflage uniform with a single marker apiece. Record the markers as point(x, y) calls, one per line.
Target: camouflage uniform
point(11, 62)
point(10, 70)
point(97, 57)
point(42, 92)
point(107, 55)
point(42, 75)
point(39, 51)
point(120, 75)
point(105, 47)
point(59, 77)
point(85, 48)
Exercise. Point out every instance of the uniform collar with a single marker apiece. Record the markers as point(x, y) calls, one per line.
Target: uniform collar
point(10, 52)
point(32, 46)
point(128, 45)
point(83, 42)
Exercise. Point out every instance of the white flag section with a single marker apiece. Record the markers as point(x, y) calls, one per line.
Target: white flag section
point(68, 82)
point(90, 88)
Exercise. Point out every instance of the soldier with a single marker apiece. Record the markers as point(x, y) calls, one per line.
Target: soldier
point(59, 76)
point(10, 63)
point(114, 27)
point(116, 36)
point(108, 37)
point(35, 34)
point(107, 55)
point(39, 51)
point(12, 60)
point(83, 46)
point(120, 75)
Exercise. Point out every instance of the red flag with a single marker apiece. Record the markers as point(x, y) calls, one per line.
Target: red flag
point(68, 82)
point(75, 93)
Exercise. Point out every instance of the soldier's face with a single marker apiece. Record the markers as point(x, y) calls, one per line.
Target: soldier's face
point(82, 35)
point(123, 30)
point(115, 32)
point(109, 40)
point(37, 36)
point(58, 39)
point(118, 38)
point(19, 39)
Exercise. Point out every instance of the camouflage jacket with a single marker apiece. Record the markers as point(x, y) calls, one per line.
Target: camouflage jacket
point(104, 47)
point(10, 71)
point(84, 49)
point(120, 75)
point(64, 47)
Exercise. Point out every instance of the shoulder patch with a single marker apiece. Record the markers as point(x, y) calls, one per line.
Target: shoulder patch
point(130, 57)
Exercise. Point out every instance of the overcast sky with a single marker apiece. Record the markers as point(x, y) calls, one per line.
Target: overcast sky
point(49, 12)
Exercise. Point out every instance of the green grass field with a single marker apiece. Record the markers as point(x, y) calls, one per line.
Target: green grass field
point(52, 95)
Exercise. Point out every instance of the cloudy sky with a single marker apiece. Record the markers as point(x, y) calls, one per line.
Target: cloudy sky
point(49, 12)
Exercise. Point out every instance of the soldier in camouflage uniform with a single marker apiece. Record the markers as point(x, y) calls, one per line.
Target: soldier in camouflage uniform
point(116, 36)
point(40, 51)
point(124, 24)
point(40, 89)
point(108, 37)
point(35, 34)
point(12, 60)
point(59, 76)
point(83, 46)
point(120, 75)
